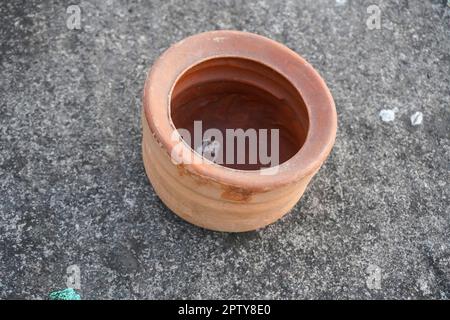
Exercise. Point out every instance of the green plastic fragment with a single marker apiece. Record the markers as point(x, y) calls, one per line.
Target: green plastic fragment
point(66, 294)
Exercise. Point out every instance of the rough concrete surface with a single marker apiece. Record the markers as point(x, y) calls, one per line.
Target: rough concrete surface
point(374, 222)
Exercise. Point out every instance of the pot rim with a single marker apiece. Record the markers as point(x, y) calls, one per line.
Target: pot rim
point(187, 53)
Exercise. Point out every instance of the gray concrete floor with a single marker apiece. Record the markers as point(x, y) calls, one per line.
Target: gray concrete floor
point(374, 223)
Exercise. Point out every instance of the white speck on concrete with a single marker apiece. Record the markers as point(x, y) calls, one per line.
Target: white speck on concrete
point(423, 285)
point(341, 2)
point(417, 118)
point(387, 115)
point(373, 280)
point(130, 202)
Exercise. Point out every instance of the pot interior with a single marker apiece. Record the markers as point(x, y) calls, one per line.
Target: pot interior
point(235, 93)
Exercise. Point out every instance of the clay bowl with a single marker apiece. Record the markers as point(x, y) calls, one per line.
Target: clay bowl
point(231, 79)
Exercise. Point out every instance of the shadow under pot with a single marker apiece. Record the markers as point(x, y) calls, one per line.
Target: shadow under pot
point(235, 125)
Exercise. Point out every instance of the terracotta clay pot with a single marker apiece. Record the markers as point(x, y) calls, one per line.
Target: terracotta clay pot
point(231, 79)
